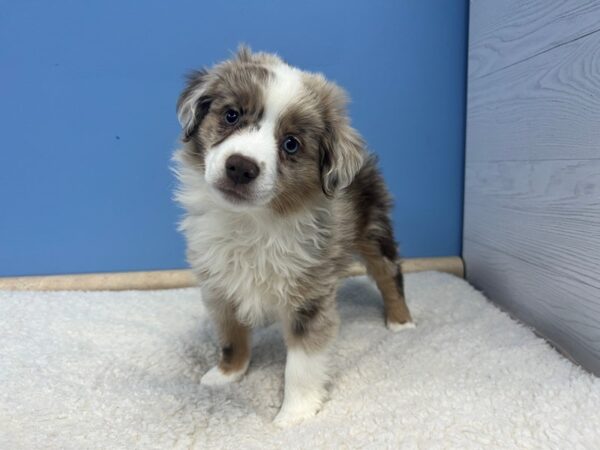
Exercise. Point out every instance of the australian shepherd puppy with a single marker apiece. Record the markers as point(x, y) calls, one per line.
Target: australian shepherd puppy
point(280, 193)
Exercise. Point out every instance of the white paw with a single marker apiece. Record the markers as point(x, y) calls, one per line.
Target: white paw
point(305, 380)
point(290, 416)
point(215, 377)
point(395, 326)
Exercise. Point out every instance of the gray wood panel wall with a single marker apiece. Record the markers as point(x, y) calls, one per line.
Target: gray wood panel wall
point(532, 180)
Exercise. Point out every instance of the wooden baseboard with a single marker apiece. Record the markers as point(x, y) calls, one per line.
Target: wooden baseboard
point(170, 279)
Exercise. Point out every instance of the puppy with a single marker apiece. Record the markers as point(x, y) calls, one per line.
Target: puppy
point(279, 193)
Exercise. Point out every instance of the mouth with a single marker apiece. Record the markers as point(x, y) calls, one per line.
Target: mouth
point(234, 196)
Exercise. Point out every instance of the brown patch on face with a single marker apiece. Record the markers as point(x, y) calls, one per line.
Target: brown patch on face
point(237, 84)
point(299, 180)
point(236, 90)
point(331, 151)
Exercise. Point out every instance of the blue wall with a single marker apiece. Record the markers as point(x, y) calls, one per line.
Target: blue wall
point(87, 116)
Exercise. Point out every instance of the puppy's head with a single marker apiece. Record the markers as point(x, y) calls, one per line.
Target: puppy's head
point(264, 134)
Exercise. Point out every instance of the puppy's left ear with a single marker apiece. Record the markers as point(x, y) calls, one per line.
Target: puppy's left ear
point(193, 103)
point(342, 149)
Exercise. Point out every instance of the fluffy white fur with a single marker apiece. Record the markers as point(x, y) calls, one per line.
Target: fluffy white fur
point(305, 378)
point(123, 369)
point(225, 241)
point(282, 91)
point(257, 145)
point(248, 253)
point(226, 238)
point(393, 326)
point(216, 377)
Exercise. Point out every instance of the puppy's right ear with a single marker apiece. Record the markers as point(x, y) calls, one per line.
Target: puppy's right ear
point(193, 103)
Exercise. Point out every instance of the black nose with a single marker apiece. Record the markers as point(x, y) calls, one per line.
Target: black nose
point(241, 170)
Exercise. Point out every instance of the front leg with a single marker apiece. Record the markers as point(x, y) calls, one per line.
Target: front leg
point(309, 332)
point(234, 341)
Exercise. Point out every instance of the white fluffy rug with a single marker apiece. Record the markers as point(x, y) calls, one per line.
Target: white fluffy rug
point(122, 370)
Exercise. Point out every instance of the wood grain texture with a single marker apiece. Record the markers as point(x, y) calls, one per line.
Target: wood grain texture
point(546, 210)
point(531, 236)
point(543, 108)
point(532, 242)
point(507, 32)
point(540, 298)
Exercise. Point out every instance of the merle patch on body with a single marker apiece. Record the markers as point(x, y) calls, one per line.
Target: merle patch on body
point(400, 282)
point(303, 316)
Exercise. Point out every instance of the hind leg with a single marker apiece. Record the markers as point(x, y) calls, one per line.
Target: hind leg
point(387, 274)
point(375, 242)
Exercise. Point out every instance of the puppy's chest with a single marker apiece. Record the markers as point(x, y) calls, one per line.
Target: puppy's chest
point(257, 264)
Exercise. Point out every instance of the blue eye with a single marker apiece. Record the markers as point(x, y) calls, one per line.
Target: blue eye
point(232, 116)
point(290, 145)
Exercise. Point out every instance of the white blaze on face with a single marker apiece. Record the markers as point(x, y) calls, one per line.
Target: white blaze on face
point(259, 145)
